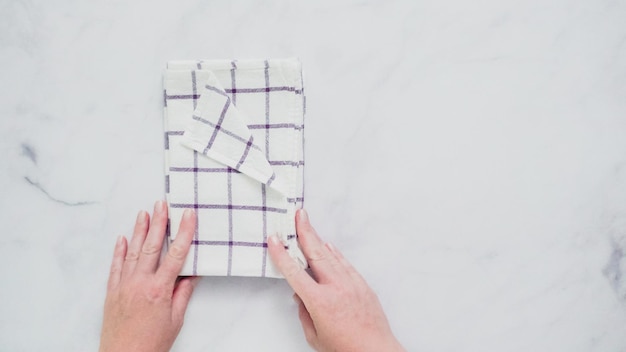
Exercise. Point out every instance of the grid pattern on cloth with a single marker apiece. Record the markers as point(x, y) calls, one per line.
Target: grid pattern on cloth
point(234, 151)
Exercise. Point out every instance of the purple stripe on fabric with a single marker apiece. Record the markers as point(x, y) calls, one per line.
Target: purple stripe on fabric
point(230, 206)
point(183, 96)
point(233, 91)
point(271, 179)
point(267, 110)
point(167, 184)
point(230, 194)
point(264, 90)
point(294, 200)
point(264, 196)
point(167, 137)
point(276, 125)
point(245, 153)
point(199, 64)
point(218, 126)
point(195, 90)
point(227, 132)
point(230, 224)
point(233, 83)
point(290, 237)
point(302, 138)
point(164, 98)
point(286, 162)
point(267, 156)
point(230, 243)
point(195, 201)
point(204, 169)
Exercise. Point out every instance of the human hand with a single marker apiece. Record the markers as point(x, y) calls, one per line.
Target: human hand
point(338, 310)
point(146, 302)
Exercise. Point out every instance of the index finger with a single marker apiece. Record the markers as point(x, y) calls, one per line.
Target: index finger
point(323, 263)
point(298, 279)
point(177, 252)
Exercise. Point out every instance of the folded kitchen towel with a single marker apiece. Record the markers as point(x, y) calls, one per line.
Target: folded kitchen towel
point(234, 151)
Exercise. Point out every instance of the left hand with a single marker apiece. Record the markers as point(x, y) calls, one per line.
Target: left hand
point(146, 302)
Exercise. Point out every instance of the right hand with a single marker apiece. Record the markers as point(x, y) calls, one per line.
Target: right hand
point(337, 309)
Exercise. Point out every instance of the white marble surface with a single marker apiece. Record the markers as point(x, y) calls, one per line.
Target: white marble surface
point(469, 157)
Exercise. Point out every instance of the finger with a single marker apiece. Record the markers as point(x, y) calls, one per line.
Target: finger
point(307, 323)
point(345, 264)
point(322, 262)
point(295, 275)
point(175, 258)
point(151, 249)
point(118, 262)
point(136, 242)
point(181, 297)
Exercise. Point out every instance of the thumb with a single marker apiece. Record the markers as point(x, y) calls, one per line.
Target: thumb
point(307, 322)
point(181, 297)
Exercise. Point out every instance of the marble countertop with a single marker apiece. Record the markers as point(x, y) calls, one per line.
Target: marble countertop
point(469, 158)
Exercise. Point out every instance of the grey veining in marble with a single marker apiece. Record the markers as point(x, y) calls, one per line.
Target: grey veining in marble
point(467, 157)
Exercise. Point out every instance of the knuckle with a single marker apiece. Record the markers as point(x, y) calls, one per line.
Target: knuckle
point(115, 269)
point(317, 254)
point(150, 248)
point(176, 252)
point(132, 256)
point(292, 270)
point(156, 292)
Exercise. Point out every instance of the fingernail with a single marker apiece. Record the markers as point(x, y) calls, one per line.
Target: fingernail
point(118, 242)
point(159, 206)
point(188, 214)
point(141, 216)
point(273, 239)
point(303, 215)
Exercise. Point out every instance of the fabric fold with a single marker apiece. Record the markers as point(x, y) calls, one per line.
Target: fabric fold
point(219, 131)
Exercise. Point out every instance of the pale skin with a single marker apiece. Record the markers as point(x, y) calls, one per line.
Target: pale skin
point(146, 300)
point(337, 309)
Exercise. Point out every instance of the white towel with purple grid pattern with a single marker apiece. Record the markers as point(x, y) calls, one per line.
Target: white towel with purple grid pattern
point(234, 151)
